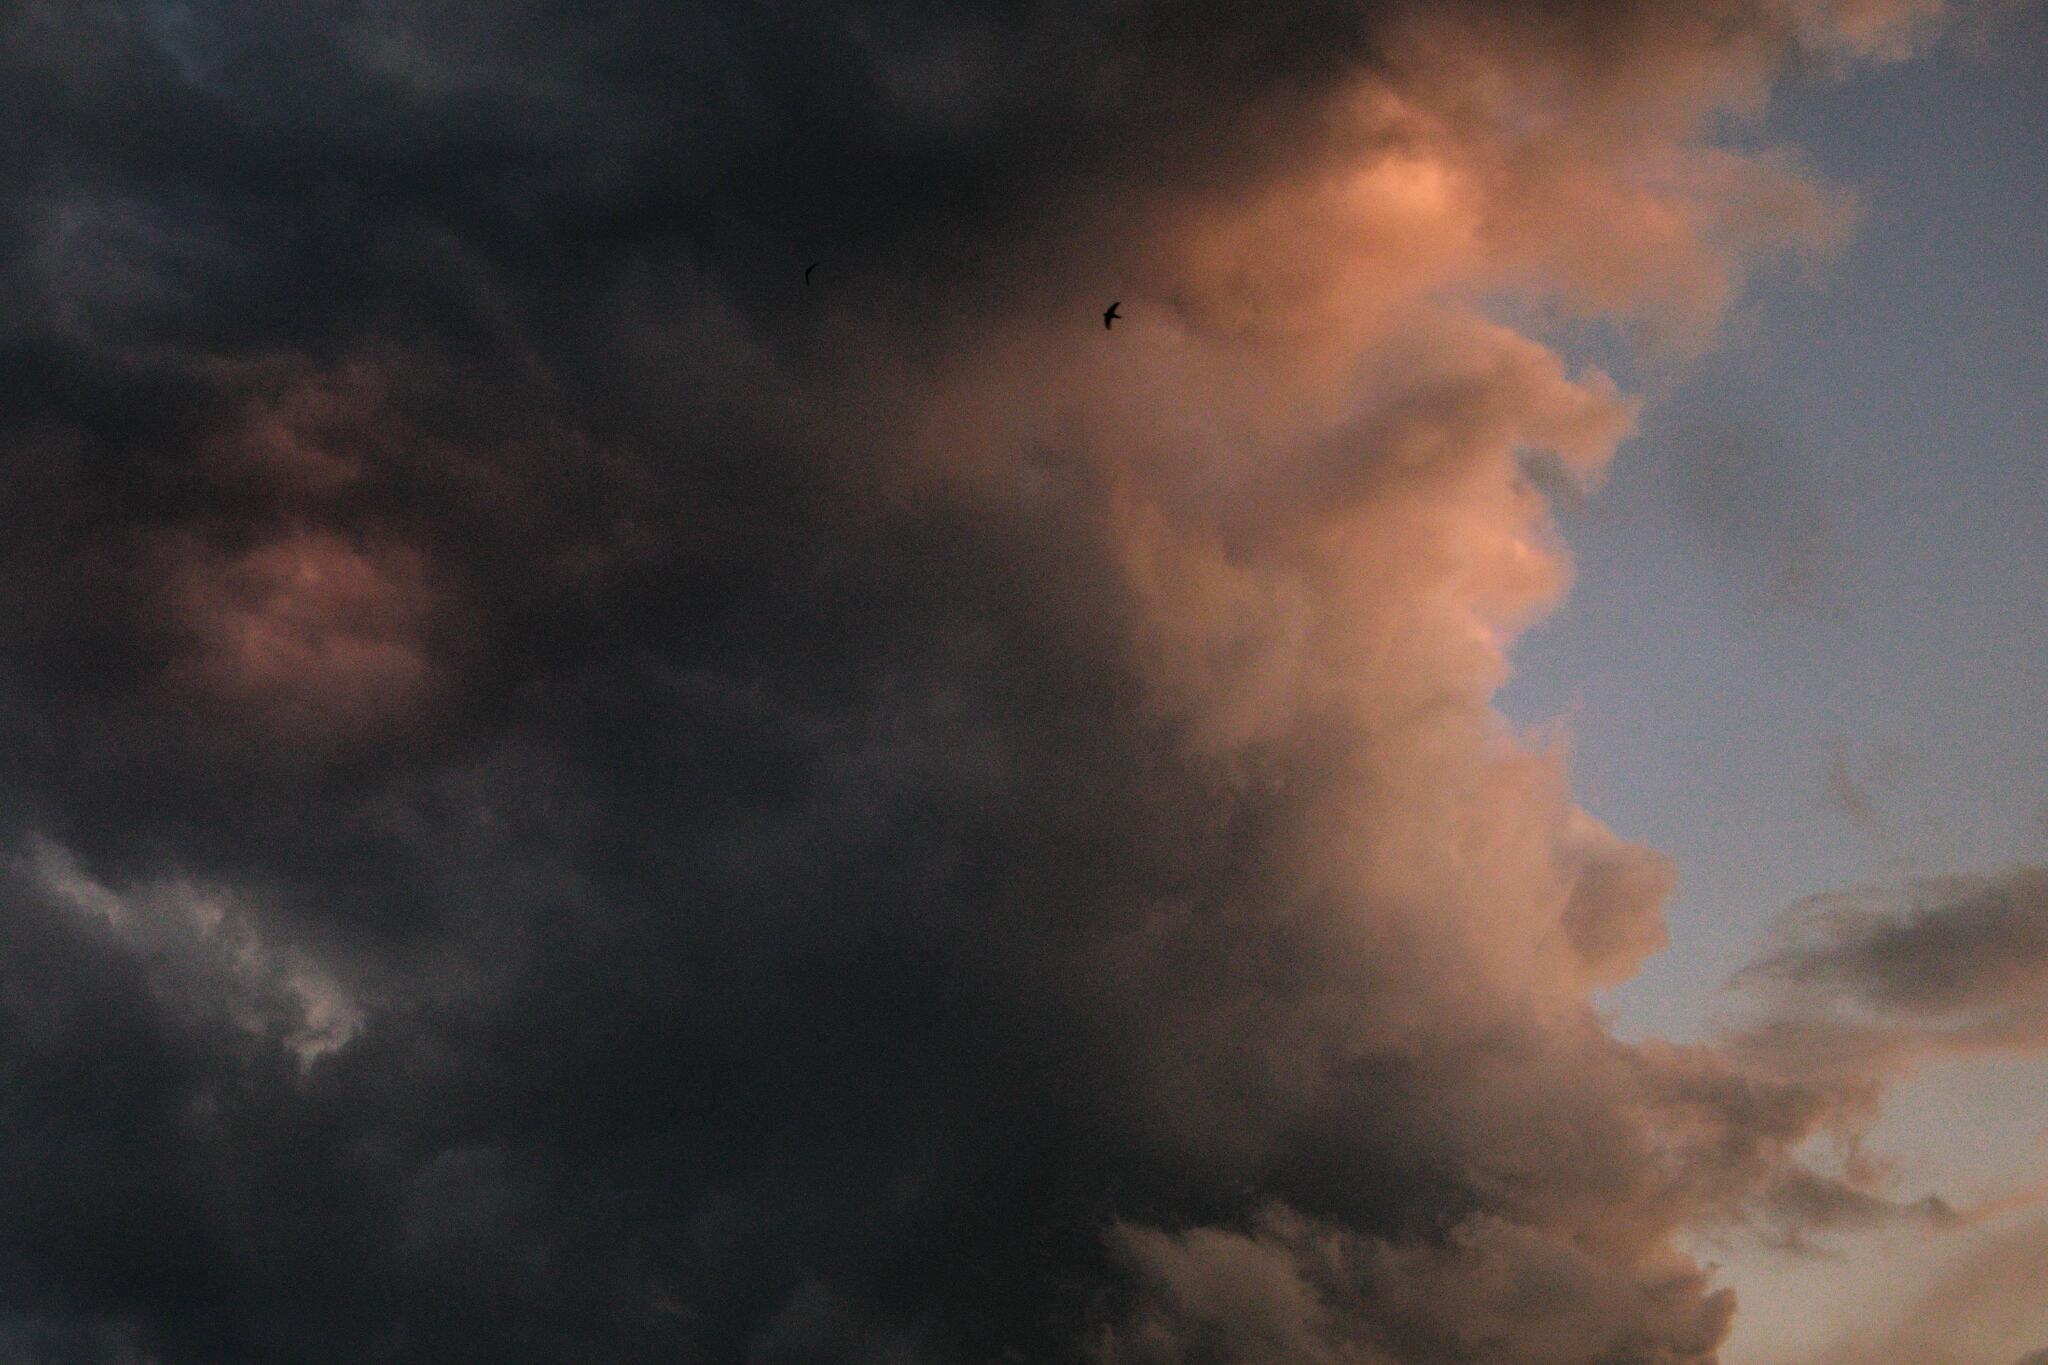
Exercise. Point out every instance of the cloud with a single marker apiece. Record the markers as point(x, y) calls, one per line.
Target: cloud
point(1750, 489)
point(1878, 979)
point(1983, 1310)
point(1856, 991)
point(576, 798)
point(1490, 1291)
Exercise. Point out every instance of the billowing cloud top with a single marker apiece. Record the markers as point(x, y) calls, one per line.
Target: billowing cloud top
point(574, 795)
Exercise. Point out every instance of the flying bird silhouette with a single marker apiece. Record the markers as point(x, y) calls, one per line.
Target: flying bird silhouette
point(809, 268)
point(1110, 315)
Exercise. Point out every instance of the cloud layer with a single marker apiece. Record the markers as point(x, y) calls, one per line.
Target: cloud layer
point(576, 798)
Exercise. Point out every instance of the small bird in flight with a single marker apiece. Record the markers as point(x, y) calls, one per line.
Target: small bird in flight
point(809, 268)
point(1110, 315)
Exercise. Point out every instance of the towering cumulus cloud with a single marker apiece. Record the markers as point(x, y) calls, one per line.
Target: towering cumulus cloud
point(571, 795)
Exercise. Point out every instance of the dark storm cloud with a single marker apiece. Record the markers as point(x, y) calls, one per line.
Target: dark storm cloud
point(573, 798)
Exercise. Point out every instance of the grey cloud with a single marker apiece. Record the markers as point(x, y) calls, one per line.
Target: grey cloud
point(1857, 990)
point(1966, 954)
point(1804, 1202)
point(573, 799)
point(1748, 486)
point(1492, 1291)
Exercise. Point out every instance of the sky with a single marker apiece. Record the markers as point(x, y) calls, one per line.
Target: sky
point(1467, 785)
point(1823, 551)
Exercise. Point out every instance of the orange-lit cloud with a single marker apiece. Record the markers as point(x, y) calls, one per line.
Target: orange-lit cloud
point(308, 637)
